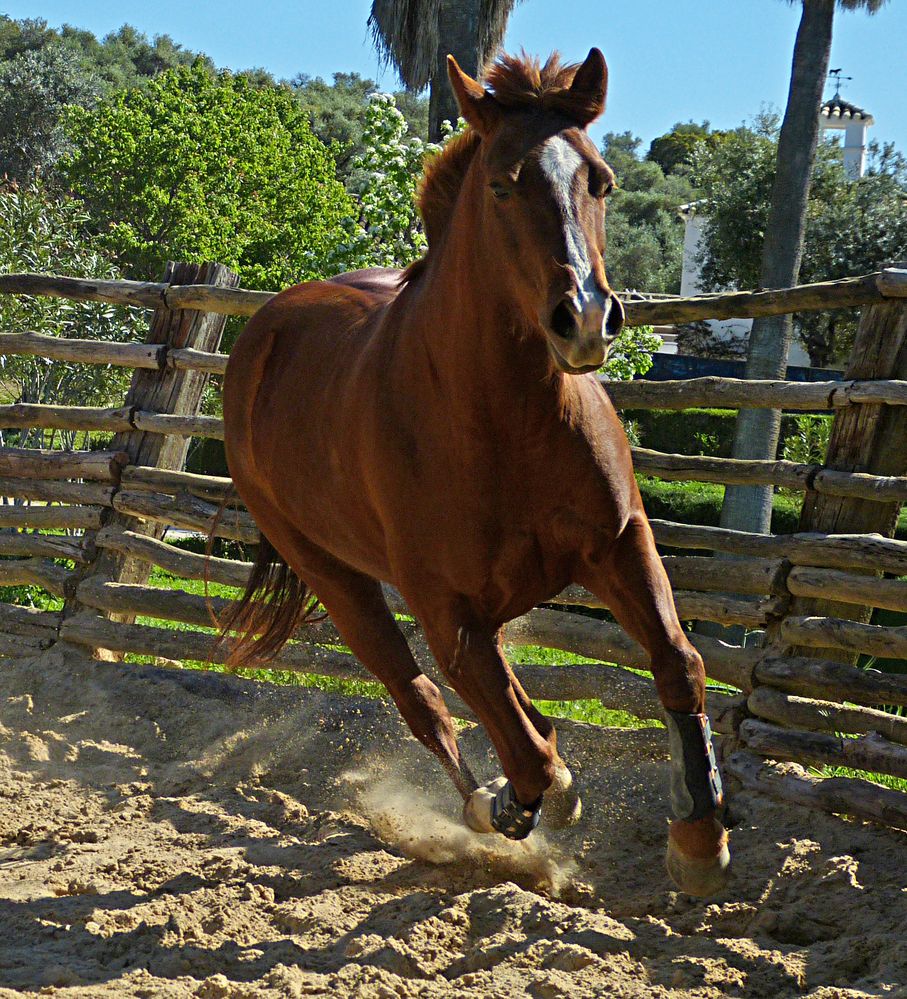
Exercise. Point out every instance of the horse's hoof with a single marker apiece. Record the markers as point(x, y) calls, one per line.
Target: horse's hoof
point(700, 876)
point(563, 806)
point(479, 806)
point(495, 808)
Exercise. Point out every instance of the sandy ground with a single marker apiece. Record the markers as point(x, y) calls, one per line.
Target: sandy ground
point(166, 834)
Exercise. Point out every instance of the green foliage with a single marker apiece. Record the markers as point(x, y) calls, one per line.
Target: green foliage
point(644, 232)
point(201, 167)
point(735, 176)
point(27, 35)
point(631, 429)
point(631, 353)
point(124, 58)
point(36, 85)
point(338, 113)
point(700, 503)
point(673, 151)
point(701, 431)
point(852, 227)
point(383, 179)
point(808, 444)
point(39, 233)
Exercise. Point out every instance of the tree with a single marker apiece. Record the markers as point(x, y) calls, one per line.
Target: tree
point(756, 435)
point(195, 166)
point(858, 226)
point(416, 36)
point(41, 233)
point(124, 58)
point(36, 85)
point(852, 227)
point(673, 151)
point(26, 35)
point(644, 231)
point(734, 178)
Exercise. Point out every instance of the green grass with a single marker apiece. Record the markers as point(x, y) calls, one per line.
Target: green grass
point(894, 783)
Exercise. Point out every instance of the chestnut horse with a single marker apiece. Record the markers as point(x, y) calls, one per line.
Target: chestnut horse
point(441, 430)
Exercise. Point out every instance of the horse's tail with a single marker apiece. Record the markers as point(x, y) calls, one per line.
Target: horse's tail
point(275, 603)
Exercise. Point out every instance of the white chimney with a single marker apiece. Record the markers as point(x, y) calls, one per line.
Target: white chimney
point(841, 115)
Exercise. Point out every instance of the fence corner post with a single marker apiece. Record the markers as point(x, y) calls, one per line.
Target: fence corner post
point(165, 390)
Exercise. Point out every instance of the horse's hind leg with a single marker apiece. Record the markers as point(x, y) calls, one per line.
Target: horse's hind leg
point(356, 605)
point(631, 580)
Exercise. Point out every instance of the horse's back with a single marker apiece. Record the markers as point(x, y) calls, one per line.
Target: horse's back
point(382, 282)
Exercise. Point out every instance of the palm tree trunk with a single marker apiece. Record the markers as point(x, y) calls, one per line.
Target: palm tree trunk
point(749, 508)
point(458, 33)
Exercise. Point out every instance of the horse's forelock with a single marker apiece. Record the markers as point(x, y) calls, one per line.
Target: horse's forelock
point(525, 82)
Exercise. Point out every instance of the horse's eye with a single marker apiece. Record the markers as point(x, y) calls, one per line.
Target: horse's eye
point(499, 190)
point(600, 184)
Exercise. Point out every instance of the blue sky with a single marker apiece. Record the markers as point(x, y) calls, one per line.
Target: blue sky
point(670, 60)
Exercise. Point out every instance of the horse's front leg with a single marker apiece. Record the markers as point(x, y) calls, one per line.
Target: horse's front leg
point(630, 578)
point(469, 654)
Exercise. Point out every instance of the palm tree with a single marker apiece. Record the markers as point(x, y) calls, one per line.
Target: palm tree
point(415, 36)
point(749, 508)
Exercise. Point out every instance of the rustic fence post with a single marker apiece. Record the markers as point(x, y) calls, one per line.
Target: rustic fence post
point(865, 438)
point(165, 390)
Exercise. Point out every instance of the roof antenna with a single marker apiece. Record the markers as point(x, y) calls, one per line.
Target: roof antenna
point(835, 74)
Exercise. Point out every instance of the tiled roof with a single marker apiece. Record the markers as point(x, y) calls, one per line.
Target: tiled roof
point(837, 107)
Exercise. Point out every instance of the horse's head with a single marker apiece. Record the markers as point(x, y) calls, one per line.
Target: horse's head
point(543, 185)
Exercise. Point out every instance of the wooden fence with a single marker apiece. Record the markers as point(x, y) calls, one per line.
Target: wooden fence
point(96, 523)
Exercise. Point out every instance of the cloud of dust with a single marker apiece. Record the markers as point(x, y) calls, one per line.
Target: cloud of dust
point(407, 818)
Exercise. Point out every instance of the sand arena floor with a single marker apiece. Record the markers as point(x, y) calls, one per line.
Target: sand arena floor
point(172, 834)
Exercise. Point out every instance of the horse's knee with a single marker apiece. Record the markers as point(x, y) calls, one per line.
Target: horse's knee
point(679, 676)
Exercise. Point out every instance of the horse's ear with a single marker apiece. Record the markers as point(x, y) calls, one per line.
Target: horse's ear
point(590, 87)
point(476, 105)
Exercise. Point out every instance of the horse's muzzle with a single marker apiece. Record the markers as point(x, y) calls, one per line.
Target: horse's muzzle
point(582, 329)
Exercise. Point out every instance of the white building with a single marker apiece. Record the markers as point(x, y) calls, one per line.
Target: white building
point(834, 114)
point(838, 114)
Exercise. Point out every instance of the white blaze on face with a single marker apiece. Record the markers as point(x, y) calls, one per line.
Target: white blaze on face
point(560, 162)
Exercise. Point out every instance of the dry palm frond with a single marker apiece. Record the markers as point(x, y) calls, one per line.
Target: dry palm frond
point(406, 34)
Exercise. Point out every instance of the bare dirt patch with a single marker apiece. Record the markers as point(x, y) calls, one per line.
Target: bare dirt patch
point(172, 834)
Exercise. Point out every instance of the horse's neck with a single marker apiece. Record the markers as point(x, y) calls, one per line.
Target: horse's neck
point(475, 338)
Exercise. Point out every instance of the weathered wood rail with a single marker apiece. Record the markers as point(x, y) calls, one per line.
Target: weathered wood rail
point(789, 699)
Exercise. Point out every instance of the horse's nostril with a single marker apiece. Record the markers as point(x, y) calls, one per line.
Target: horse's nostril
point(563, 321)
point(615, 321)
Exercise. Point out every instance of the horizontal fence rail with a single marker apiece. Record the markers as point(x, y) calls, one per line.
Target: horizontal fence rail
point(838, 294)
point(739, 393)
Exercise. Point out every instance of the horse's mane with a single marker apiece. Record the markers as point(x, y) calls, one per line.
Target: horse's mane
point(516, 82)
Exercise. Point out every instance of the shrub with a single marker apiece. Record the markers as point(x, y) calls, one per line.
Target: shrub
point(808, 441)
point(43, 234)
point(703, 431)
